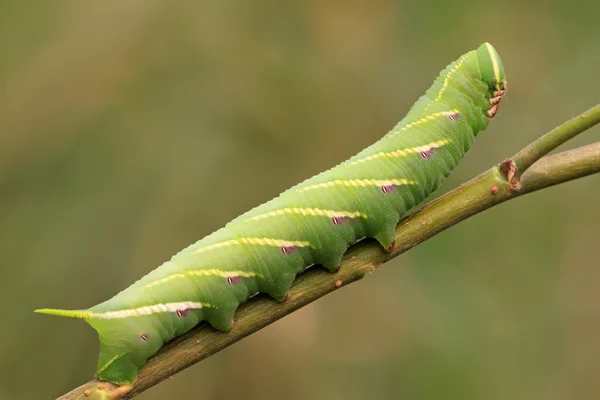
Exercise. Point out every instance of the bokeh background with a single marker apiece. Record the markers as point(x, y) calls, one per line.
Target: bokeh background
point(130, 129)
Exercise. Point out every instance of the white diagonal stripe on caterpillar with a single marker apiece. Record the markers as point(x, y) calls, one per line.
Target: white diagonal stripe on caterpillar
point(148, 310)
point(315, 212)
point(203, 272)
point(423, 120)
point(357, 183)
point(447, 78)
point(402, 152)
point(255, 241)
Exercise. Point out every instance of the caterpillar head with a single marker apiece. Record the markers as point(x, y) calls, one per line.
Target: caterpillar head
point(490, 65)
point(492, 73)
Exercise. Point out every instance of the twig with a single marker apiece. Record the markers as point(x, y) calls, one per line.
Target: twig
point(559, 135)
point(491, 188)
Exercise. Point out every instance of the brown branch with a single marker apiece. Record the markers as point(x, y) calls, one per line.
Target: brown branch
point(486, 190)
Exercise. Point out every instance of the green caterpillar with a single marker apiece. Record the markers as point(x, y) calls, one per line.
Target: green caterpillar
point(312, 223)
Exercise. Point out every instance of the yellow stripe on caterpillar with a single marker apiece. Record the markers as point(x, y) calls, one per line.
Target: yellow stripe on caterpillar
point(357, 183)
point(450, 114)
point(447, 78)
point(255, 241)
point(402, 152)
point(315, 212)
point(112, 360)
point(495, 66)
point(203, 272)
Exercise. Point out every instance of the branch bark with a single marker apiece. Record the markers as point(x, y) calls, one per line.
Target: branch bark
point(526, 172)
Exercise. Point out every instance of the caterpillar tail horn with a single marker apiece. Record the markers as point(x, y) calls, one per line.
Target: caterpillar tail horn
point(78, 314)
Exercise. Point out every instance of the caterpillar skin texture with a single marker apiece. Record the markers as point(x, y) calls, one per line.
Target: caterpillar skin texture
point(312, 223)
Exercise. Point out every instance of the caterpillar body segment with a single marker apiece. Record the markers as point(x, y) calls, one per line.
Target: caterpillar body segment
point(314, 222)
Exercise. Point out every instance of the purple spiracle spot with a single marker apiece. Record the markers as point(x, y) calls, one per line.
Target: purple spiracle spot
point(233, 280)
point(388, 188)
point(454, 116)
point(144, 336)
point(427, 153)
point(287, 249)
point(338, 220)
point(181, 313)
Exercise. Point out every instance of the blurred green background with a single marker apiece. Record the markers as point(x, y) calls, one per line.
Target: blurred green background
point(130, 129)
